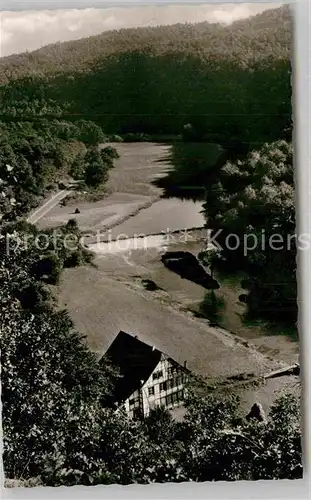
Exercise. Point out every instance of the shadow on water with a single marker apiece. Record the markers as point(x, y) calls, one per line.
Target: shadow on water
point(192, 166)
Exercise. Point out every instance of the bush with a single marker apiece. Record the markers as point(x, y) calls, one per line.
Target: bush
point(111, 152)
point(135, 137)
point(90, 133)
point(212, 306)
point(48, 269)
point(97, 166)
point(116, 138)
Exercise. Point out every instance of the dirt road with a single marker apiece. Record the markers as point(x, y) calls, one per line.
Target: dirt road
point(47, 206)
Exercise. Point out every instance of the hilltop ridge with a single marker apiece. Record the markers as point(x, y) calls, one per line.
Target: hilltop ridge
point(231, 80)
point(268, 30)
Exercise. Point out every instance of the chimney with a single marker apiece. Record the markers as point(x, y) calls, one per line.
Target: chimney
point(153, 348)
point(185, 364)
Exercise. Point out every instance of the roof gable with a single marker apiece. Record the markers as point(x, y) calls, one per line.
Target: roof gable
point(135, 360)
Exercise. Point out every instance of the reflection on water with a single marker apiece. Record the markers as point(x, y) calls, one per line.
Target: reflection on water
point(193, 166)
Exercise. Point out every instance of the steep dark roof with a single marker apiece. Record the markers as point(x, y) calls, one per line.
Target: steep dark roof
point(135, 360)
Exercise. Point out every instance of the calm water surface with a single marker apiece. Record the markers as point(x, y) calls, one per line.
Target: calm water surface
point(164, 215)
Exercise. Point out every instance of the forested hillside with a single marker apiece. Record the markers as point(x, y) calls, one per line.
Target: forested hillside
point(37, 155)
point(227, 81)
point(262, 36)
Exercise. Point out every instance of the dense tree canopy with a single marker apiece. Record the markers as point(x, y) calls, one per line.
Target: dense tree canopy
point(262, 36)
point(228, 82)
point(249, 194)
point(35, 155)
point(254, 200)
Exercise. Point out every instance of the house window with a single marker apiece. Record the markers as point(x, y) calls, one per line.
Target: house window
point(174, 398)
point(169, 399)
point(137, 413)
point(157, 375)
point(180, 395)
point(171, 383)
point(151, 391)
point(134, 399)
point(174, 382)
point(163, 386)
point(172, 370)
